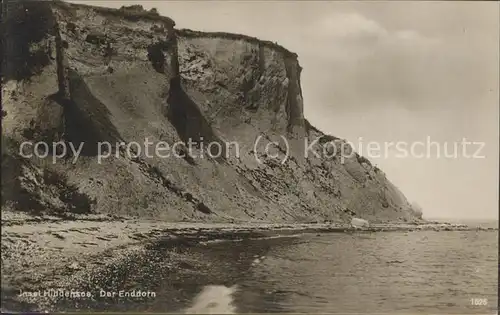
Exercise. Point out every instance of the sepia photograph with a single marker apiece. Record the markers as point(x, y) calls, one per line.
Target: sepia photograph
point(250, 157)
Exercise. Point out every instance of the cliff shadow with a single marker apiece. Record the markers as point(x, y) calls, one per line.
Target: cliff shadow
point(26, 49)
point(87, 120)
point(156, 56)
point(191, 126)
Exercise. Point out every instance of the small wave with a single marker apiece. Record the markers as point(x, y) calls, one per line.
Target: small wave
point(213, 299)
point(250, 238)
point(275, 237)
point(257, 260)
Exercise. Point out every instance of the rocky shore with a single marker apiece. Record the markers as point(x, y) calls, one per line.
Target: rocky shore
point(89, 252)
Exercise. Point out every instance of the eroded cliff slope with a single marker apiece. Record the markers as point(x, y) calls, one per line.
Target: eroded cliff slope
point(88, 75)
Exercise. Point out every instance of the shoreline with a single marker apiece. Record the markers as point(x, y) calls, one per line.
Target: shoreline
point(47, 253)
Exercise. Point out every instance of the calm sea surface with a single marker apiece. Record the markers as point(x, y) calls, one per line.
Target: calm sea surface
point(427, 272)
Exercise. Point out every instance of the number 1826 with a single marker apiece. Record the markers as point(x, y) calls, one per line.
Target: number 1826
point(478, 302)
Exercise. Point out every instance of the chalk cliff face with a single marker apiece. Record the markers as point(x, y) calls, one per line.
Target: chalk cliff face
point(88, 75)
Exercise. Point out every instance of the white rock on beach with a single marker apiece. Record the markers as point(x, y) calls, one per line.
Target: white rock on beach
point(356, 222)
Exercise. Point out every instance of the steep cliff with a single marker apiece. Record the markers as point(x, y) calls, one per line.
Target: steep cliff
point(88, 75)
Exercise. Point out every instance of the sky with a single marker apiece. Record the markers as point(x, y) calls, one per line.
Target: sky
point(385, 72)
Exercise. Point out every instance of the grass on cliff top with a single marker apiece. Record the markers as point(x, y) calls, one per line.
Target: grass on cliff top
point(193, 34)
point(132, 13)
point(136, 13)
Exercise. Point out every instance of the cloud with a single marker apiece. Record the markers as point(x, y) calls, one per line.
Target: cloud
point(349, 26)
point(352, 35)
point(414, 39)
point(373, 64)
